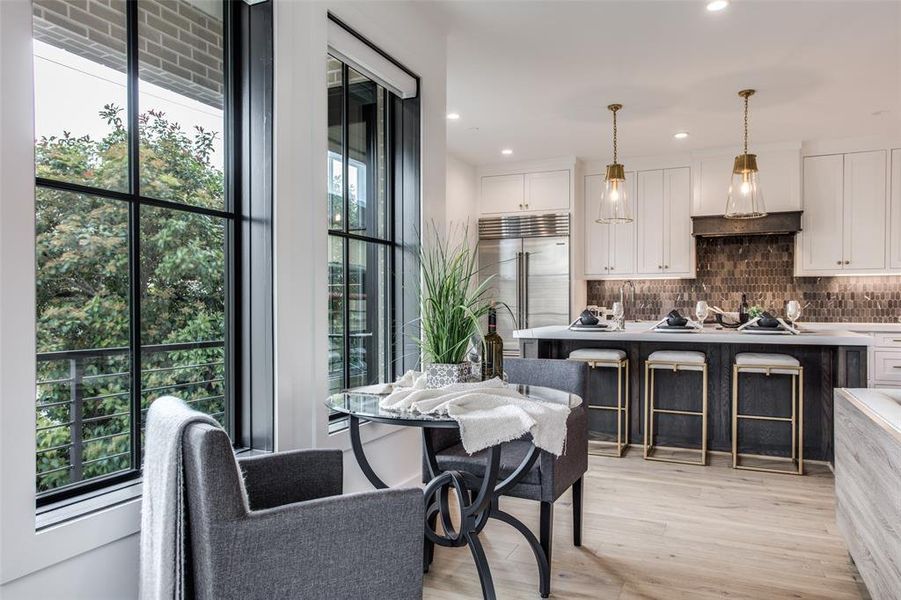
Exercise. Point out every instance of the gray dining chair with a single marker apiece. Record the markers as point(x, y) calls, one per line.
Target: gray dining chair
point(277, 526)
point(551, 476)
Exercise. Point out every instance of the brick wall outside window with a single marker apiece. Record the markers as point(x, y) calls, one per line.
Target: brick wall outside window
point(180, 44)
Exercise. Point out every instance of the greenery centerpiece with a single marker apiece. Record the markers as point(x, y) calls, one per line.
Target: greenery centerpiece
point(453, 304)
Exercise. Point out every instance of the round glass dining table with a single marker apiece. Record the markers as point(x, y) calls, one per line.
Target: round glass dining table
point(476, 495)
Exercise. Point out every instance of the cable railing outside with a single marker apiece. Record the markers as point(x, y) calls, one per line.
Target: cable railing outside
point(84, 404)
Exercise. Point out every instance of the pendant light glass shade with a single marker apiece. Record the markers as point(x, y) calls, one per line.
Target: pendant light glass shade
point(615, 204)
point(745, 199)
point(615, 207)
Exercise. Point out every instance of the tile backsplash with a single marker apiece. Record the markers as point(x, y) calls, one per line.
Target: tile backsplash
point(761, 267)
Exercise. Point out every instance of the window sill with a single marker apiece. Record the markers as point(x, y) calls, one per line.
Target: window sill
point(77, 507)
point(82, 506)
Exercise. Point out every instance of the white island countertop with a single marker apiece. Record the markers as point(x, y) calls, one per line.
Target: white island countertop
point(641, 332)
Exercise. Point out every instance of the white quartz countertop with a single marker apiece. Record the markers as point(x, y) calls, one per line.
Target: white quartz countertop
point(870, 327)
point(883, 405)
point(641, 332)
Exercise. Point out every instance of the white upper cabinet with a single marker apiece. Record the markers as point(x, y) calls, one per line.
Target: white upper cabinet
point(865, 203)
point(503, 194)
point(665, 244)
point(547, 191)
point(622, 239)
point(821, 223)
point(650, 217)
point(895, 211)
point(677, 230)
point(597, 235)
point(780, 179)
point(845, 212)
point(540, 192)
point(609, 249)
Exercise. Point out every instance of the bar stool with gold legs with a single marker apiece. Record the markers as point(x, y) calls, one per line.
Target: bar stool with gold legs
point(771, 364)
point(598, 358)
point(675, 360)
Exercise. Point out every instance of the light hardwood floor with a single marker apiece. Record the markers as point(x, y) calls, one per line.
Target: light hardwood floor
point(664, 531)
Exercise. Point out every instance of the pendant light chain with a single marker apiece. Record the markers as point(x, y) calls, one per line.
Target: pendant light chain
point(614, 136)
point(746, 123)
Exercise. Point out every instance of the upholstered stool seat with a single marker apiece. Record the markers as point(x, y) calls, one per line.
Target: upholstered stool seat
point(673, 360)
point(597, 354)
point(761, 362)
point(686, 360)
point(770, 364)
point(599, 358)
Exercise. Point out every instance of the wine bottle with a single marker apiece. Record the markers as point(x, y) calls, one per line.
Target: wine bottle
point(743, 310)
point(493, 361)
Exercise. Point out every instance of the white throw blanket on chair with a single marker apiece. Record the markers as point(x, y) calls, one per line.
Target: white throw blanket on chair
point(488, 413)
point(163, 504)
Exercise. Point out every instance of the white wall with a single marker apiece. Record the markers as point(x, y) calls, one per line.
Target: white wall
point(461, 210)
point(60, 562)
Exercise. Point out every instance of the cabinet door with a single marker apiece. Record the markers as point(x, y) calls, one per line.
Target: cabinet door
point(864, 209)
point(678, 242)
point(895, 235)
point(597, 235)
point(622, 239)
point(780, 172)
point(714, 175)
point(547, 191)
point(502, 194)
point(650, 219)
point(821, 241)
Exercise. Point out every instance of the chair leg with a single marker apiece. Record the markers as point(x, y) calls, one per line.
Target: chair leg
point(428, 553)
point(547, 530)
point(577, 512)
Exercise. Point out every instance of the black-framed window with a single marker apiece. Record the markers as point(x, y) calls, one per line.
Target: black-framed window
point(361, 231)
point(141, 118)
point(373, 225)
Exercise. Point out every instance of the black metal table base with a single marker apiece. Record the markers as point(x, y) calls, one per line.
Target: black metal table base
point(478, 501)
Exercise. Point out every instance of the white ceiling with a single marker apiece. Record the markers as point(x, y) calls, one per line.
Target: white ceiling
point(537, 76)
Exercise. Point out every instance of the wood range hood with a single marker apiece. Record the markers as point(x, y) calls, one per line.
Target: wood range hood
point(776, 223)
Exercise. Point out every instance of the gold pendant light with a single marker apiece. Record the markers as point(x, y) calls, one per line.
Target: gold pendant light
point(614, 207)
point(745, 198)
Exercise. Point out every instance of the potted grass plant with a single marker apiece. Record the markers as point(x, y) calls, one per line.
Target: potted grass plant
point(453, 304)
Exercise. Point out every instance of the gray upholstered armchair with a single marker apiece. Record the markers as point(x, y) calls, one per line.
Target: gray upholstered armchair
point(286, 531)
point(551, 475)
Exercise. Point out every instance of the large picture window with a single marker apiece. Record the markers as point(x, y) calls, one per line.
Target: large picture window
point(136, 229)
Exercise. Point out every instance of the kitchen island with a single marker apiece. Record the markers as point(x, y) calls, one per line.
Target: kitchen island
point(868, 484)
point(831, 359)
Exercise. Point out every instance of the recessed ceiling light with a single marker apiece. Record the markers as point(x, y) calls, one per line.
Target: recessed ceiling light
point(453, 116)
point(680, 135)
point(717, 5)
point(506, 151)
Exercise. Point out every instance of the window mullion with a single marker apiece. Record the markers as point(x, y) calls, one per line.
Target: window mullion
point(345, 201)
point(134, 224)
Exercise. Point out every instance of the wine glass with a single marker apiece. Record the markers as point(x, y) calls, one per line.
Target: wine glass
point(701, 311)
point(618, 312)
point(793, 311)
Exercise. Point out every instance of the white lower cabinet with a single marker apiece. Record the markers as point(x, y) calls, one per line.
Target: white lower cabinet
point(665, 244)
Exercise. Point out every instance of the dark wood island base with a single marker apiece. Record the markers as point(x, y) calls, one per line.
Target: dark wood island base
point(826, 367)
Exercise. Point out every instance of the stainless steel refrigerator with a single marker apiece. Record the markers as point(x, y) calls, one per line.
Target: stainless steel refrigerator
point(527, 257)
